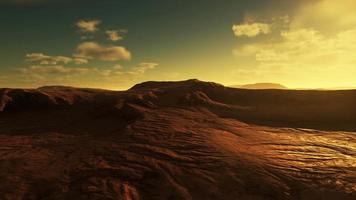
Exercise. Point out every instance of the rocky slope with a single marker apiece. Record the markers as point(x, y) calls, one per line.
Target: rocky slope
point(177, 140)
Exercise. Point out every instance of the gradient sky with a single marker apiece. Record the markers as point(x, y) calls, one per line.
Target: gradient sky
point(116, 43)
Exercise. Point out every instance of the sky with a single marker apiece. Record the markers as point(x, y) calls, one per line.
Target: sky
point(115, 44)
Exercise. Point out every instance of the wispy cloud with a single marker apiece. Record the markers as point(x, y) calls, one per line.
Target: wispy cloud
point(80, 61)
point(312, 46)
point(52, 70)
point(142, 68)
point(251, 29)
point(91, 50)
point(39, 75)
point(118, 70)
point(115, 35)
point(88, 26)
point(44, 59)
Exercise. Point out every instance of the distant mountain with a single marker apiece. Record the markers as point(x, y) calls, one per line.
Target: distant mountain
point(259, 86)
point(338, 88)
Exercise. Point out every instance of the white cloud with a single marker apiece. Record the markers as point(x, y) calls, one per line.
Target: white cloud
point(88, 26)
point(251, 30)
point(91, 50)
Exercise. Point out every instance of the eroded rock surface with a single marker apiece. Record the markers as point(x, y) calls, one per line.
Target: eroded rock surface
point(176, 140)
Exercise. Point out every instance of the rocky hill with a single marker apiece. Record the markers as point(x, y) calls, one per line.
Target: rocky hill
point(177, 140)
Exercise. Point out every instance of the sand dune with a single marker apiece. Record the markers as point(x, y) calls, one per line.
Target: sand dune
point(177, 140)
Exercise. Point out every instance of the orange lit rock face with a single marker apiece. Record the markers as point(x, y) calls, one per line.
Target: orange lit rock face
point(177, 140)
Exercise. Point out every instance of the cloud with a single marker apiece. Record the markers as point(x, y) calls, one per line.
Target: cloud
point(312, 47)
point(88, 26)
point(126, 76)
point(143, 67)
point(47, 60)
point(39, 75)
point(118, 70)
point(302, 36)
point(104, 77)
point(80, 61)
point(91, 50)
point(270, 55)
point(115, 35)
point(304, 54)
point(117, 67)
point(251, 30)
point(44, 59)
point(52, 70)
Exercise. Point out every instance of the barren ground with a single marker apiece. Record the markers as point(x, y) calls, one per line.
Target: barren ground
point(177, 140)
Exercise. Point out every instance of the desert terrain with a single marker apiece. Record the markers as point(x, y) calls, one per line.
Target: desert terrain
point(177, 140)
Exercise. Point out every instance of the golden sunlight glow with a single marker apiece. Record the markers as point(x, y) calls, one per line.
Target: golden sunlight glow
point(317, 50)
